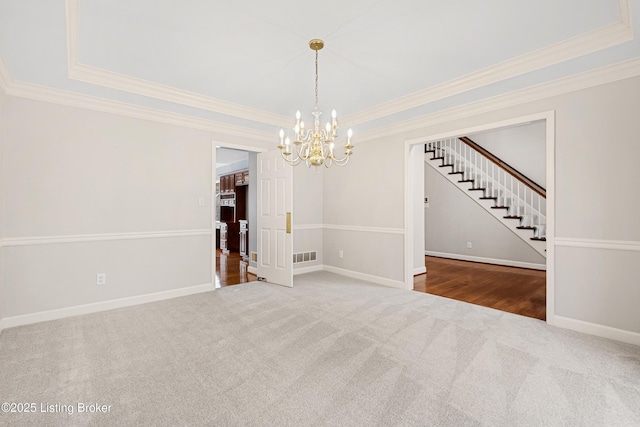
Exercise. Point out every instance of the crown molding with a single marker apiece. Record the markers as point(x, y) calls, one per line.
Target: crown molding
point(97, 76)
point(254, 138)
point(583, 44)
point(599, 76)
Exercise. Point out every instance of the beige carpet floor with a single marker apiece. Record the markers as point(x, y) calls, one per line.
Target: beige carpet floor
point(330, 351)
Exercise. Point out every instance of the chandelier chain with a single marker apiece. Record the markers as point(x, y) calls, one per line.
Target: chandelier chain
point(317, 80)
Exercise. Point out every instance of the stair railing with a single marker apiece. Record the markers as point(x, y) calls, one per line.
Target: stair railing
point(524, 199)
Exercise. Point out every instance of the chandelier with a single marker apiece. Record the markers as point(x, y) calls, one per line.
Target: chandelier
point(315, 146)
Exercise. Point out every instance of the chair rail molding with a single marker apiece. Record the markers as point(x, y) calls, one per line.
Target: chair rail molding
point(81, 238)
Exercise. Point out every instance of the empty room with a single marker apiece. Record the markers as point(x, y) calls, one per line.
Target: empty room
point(328, 154)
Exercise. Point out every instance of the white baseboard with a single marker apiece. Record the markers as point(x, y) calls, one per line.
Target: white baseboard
point(596, 329)
point(419, 270)
point(504, 262)
point(43, 316)
point(366, 277)
point(1, 325)
point(310, 269)
point(252, 270)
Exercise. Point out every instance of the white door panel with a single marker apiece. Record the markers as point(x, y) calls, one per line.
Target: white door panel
point(275, 201)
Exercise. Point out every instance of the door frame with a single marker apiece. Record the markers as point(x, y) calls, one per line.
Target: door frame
point(215, 144)
point(410, 187)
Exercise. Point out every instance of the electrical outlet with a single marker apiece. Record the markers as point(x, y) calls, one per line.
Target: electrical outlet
point(340, 253)
point(469, 245)
point(101, 279)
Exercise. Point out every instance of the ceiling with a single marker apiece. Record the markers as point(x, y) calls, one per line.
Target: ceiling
point(228, 156)
point(245, 66)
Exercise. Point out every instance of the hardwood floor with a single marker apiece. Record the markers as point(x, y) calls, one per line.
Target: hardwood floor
point(515, 290)
point(230, 270)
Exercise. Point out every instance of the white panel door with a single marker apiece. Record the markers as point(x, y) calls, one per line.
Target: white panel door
point(275, 200)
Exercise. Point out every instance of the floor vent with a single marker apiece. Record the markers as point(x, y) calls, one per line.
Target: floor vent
point(305, 257)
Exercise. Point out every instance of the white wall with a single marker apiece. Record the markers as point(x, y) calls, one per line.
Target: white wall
point(522, 147)
point(416, 158)
point(3, 120)
point(453, 219)
point(92, 177)
point(594, 202)
point(366, 200)
point(307, 214)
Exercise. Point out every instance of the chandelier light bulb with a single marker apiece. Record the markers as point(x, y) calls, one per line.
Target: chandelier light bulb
point(333, 114)
point(298, 115)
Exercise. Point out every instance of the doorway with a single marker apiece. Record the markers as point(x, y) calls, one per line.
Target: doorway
point(234, 215)
point(415, 207)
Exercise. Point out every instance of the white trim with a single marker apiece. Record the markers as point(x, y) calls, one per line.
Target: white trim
point(305, 270)
point(256, 140)
point(419, 270)
point(57, 96)
point(505, 262)
point(252, 270)
point(580, 45)
point(366, 277)
point(596, 329)
point(1, 325)
point(212, 211)
point(43, 316)
point(97, 76)
point(564, 50)
point(599, 76)
point(308, 227)
point(386, 230)
point(550, 231)
point(619, 245)
point(80, 238)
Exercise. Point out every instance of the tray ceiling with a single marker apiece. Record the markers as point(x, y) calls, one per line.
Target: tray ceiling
point(248, 63)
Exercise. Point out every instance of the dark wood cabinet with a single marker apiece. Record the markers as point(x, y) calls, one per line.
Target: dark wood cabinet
point(234, 210)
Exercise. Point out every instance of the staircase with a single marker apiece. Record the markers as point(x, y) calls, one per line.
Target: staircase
point(512, 198)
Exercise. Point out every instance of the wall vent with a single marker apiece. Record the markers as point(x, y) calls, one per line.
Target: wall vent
point(305, 257)
point(254, 256)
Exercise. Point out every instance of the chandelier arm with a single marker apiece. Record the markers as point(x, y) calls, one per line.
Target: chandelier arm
point(341, 162)
point(292, 162)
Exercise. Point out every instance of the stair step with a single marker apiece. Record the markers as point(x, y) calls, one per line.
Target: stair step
point(477, 189)
point(454, 173)
point(438, 158)
point(513, 217)
point(444, 166)
point(488, 198)
point(539, 239)
point(499, 207)
point(466, 180)
point(525, 227)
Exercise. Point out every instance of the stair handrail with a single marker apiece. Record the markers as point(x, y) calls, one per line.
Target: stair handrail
point(506, 167)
